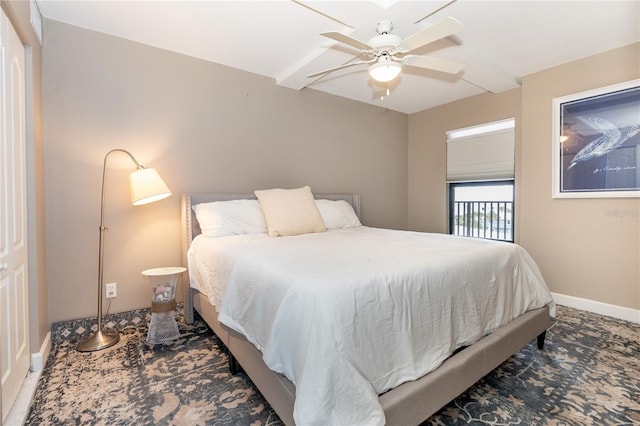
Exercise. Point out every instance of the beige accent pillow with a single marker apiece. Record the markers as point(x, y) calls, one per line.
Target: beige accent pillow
point(290, 211)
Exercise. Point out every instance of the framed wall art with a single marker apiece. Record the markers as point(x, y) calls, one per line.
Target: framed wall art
point(596, 143)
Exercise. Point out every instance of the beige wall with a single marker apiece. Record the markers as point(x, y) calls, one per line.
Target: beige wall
point(204, 127)
point(18, 14)
point(587, 248)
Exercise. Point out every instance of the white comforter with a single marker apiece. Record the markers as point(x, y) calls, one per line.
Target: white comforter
point(348, 314)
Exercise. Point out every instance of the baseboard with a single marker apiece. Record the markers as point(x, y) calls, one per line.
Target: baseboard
point(620, 312)
point(20, 408)
point(39, 359)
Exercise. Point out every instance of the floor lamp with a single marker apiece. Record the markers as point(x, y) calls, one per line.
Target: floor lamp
point(146, 187)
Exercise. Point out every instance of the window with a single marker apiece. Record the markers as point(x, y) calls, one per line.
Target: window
point(482, 210)
point(480, 175)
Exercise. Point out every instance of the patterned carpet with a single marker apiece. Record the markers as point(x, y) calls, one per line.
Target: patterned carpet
point(588, 374)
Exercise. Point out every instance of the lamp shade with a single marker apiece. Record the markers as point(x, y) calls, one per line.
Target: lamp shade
point(384, 70)
point(147, 186)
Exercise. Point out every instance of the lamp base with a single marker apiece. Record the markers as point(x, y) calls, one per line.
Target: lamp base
point(100, 340)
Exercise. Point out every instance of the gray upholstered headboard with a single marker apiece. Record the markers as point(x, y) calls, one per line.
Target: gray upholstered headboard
point(190, 227)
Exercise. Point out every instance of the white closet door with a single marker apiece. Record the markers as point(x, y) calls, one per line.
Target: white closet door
point(14, 292)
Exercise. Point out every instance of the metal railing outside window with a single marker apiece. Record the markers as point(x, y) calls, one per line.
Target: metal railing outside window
point(483, 219)
point(473, 216)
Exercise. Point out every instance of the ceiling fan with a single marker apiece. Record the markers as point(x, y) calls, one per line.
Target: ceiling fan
point(387, 52)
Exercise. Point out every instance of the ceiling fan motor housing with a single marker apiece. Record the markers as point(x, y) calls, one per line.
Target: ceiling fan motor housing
point(385, 42)
point(384, 27)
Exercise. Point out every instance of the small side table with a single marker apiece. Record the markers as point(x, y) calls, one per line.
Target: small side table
point(163, 327)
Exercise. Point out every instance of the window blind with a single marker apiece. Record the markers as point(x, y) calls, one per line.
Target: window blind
point(480, 153)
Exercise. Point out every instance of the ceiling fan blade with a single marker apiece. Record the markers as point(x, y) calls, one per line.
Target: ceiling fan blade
point(431, 63)
point(327, 71)
point(442, 29)
point(361, 45)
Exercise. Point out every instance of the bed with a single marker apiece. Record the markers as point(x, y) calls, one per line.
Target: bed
point(407, 403)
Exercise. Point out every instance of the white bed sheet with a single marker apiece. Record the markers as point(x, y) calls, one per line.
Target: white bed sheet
point(348, 314)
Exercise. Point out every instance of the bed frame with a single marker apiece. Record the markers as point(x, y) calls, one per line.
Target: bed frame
point(408, 404)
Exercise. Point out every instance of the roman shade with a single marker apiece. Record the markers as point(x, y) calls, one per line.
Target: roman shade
point(481, 153)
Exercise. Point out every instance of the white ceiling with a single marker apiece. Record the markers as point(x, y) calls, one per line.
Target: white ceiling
point(501, 42)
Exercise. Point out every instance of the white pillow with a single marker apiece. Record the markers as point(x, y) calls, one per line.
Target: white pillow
point(234, 217)
point(337, 214)
point(290, 211)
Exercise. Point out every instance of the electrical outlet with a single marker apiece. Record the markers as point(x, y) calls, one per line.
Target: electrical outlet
point(111, 290)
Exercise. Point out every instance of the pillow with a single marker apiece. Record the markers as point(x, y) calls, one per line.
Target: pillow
point(234, 217)
point(290, 211)
point(337, 214)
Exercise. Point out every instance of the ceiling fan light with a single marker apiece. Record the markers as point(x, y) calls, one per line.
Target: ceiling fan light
point(384, 71)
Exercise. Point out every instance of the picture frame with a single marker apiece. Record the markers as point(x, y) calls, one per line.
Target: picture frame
point(596, 143)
